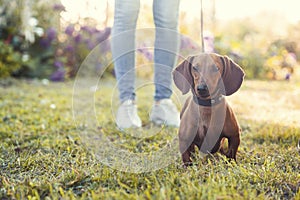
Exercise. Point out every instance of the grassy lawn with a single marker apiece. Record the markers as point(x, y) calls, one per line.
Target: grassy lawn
point(44, 154)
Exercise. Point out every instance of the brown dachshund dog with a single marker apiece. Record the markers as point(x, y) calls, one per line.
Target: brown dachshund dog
point(206, 117)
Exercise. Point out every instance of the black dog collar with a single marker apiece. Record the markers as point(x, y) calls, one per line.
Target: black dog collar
point(208, 102)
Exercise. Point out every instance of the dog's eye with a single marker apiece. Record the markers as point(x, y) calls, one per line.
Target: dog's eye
point(215, 69)
point(195, 68)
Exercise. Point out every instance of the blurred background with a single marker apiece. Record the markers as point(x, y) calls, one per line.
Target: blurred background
point(49, 40)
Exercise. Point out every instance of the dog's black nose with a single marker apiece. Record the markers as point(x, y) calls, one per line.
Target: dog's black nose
point(202, 88)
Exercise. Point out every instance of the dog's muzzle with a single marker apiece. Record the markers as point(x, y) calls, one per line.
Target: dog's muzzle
point(203, 90)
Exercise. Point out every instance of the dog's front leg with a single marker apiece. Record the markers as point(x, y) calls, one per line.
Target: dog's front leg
point(233, 145)
point(186, 150)
point(186, 134)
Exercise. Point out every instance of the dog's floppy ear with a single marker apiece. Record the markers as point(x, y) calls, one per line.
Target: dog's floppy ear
point(182, 76)
point(233, 76)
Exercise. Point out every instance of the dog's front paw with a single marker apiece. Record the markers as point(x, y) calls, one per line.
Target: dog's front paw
point(231, 154)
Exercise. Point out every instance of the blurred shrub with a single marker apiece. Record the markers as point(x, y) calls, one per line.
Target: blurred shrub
point(40, 56)
point(259, 53)
point(10, 19)
point(58, 55)
point(281, 60)
point(238, 40)
point(78, 43)
point(10, 61)
point(23, 24)
point(52, 52)
point(60, 47)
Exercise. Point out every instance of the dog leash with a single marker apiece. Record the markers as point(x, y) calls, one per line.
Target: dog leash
point(201, 25)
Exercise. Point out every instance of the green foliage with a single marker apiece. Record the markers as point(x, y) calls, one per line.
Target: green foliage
point(10, 17)
point(252, 42)
point(40, 62)
point(253, 64)
point(10, 61)
point(293, 37)
point(42, 9)
point(42, 156)
point(53, 51)
point(238, 40)
point(23, 25)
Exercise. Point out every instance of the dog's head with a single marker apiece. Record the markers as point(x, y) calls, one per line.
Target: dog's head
point(208, 75)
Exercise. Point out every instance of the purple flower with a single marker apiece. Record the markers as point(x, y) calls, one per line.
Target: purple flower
point(145, 52)
point(103, 35)
point(69, 48)
point(288, 76)
point(59, 7)
point(208, 42)
point(44, 42)
point(183, 42)
point(148, 55)
point(293, 56)
point(186, 43)
point(69, 30)
point(58, 75)
point(90, 44)
point(58, 64)
point(51, 34)
point(88, 29)
point(78, 38)
point(105, 46)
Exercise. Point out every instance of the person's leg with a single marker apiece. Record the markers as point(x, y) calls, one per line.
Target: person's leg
point(165, 56)
point(123, 46)
point(123, 51)
point(165, 14)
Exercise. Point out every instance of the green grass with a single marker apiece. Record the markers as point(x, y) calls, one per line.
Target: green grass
point(43, 156)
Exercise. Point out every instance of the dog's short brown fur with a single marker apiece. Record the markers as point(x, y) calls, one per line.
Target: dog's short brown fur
point(209, 77)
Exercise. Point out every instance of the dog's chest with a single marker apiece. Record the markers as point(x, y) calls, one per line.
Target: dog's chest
point(211, 119)
point(204, 121)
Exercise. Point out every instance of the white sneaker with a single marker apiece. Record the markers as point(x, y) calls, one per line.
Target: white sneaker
point(165, 112)
point(127, 116)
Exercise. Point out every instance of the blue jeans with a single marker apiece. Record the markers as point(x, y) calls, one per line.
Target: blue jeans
point(166, 46)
